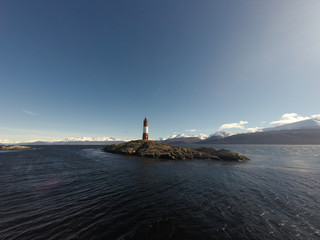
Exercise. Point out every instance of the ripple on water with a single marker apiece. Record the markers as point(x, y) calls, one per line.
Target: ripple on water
point(81, 192)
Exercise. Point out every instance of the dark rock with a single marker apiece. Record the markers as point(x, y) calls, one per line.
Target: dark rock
point(224, 154)
point(152, 149)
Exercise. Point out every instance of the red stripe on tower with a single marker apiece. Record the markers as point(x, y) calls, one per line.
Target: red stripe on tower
point(145, 135)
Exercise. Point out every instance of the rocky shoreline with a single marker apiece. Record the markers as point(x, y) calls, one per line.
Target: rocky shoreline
point(153, 149)
point(14, 147)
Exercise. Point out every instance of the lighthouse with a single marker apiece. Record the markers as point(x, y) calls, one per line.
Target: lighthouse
point(145, 135)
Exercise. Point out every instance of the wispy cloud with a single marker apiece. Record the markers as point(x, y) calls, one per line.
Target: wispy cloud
point(5, 141)
point(290, 118)
point(239, 125)
point(316, 116)
point(255, 129)
point(191, 130)
point(30, 113)
point(285, 119)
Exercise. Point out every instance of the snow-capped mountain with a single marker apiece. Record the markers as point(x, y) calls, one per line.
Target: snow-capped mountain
point(183, 138)
point(218, 135)
point(313, 123)
point(82, 141)
point(202, 136)
point(91, 139)
point(182, 135)
point(302, 132)
point(199, 137)
point(221, 134)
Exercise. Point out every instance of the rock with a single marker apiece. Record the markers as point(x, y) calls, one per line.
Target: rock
point(15, 147)
point(224, 154)
point(152, 149)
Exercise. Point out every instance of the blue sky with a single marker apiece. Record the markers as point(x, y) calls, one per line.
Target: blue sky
point(97, 68)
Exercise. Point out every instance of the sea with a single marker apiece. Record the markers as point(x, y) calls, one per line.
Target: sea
point(82, 192)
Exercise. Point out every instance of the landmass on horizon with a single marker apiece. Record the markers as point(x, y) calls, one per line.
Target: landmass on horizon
point(15, 147)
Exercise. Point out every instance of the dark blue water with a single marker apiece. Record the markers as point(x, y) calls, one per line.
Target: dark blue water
point(80, 192)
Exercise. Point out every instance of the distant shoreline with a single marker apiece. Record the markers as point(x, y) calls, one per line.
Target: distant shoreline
point(14, 147)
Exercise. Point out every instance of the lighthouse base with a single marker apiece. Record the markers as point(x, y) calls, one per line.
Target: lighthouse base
point(145, 136)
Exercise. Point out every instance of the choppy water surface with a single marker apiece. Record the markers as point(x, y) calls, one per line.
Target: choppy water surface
point(80, 192)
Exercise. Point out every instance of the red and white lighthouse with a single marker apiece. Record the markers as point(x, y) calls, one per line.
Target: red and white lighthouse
point(145, 135)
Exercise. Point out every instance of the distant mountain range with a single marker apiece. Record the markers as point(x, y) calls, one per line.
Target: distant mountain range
point(183, 139)
point(218, 135)
point(313, 123)
point(302, 132)
point(78, 141)
point(188, 139)
point(300, 136)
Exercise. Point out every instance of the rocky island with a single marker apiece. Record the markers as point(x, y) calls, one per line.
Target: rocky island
point(15, 147)
point(153, 149)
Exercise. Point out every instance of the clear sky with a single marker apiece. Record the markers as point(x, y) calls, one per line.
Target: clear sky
point(97, 68)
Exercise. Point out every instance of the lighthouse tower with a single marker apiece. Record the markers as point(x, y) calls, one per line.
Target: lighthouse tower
point(145, 135)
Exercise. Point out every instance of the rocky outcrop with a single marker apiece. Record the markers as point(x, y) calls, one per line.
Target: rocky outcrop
point(223, 154)
point(15, 147)
point(152, 149)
